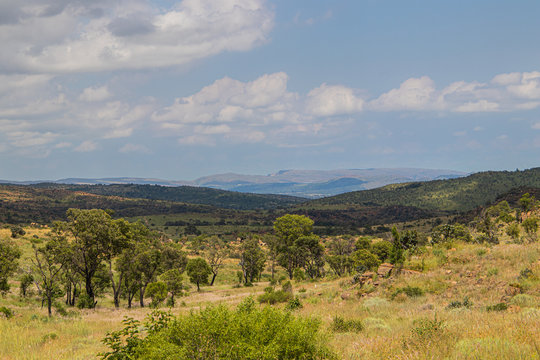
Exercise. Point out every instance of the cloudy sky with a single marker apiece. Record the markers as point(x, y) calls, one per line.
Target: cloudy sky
point(182, 89)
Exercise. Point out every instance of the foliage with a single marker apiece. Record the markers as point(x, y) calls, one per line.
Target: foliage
point(466, 303)
point(530, 225)
point(221, 333)
point(382, 250)
point(198, 271)
point(25, 281)
point(271, 296)
point(294, 304)
point(289, 228)
point(425, 329)
point(252, 259)
point(447, 232)
point(174, 280)
point(6, 312)
point(158, 292)
point(513, 231)
point(9, 255)
point(364, 260)
point(497, 307)
point(16, 231)
point(339, 324)
point(410, 291)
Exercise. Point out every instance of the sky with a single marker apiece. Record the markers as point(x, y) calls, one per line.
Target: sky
point(182, 89)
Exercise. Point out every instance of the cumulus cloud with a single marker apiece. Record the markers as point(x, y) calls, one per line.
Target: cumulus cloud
point(333, 100)
point(413, 94)
point(80, 36)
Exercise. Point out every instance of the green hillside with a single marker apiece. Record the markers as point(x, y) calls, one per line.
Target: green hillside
point(454, 195)
point(186, 194)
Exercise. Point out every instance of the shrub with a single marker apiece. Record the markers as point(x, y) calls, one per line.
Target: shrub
point(382, 249)
point(466, 303)
point(497, 307)
point(7, 312)
point(157, 291)
point(426, 329)
point(221, 333)
point(339, 324)
point(410, 291)
point(85, 302)
point(365, 260)
point(524, 300)
point(273, 297)
point(294, 304)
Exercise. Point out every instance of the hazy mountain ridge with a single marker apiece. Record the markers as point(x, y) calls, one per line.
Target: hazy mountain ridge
point(303, 183)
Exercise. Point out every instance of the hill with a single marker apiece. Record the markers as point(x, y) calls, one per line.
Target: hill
point(186, 194)
point(452, 195)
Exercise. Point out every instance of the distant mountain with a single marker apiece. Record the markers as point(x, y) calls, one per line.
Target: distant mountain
point(303, 183)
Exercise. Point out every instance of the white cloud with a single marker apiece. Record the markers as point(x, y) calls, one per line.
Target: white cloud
point(86, 146)
point(536, 126)
point(92, 94)
point(413, 94)
point(333, 100)
point(478, 106)
point(81, 36)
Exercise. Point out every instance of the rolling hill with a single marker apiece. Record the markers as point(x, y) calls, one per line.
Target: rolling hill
point(452, 195)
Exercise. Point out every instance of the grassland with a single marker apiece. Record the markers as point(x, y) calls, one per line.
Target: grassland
point(439, 323)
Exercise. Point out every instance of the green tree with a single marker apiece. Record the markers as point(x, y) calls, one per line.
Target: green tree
point(530, 225)
point(365, 260)
point(216, 252)
point(311, 255)
point(288, 229)
point(382, 249)
point(252, 259)
point(339, 251)
point(25, 281)
point(198, 271)
point(47, 268)
point(9, 255)
point(157, 291)
point(174, 280)
point(91, 234)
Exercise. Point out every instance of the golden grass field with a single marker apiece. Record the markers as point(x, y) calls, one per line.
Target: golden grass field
point(394, 328)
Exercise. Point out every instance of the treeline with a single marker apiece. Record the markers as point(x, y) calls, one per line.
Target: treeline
point(187, 194)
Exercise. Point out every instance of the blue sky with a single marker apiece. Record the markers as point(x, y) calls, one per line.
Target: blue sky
point(182, 89)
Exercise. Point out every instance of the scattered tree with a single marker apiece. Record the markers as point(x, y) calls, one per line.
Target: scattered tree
point(198, 271)
point(9, 254)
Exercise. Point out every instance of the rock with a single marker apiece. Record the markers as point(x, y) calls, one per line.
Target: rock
point(364, 278)
point(512, 291)
point(410, 272)
point(385, 270)
point(345, 296)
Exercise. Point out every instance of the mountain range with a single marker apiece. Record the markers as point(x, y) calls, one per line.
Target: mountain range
point(302, 183)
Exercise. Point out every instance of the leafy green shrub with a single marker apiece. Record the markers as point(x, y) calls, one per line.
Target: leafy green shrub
point(7, 312)
point(157, 291)
point(294, 304)
point(466, 303)
point(272, 297)
point(410, 291)
point(382, 250)
point(497, 307)
point(364, 260)
point(339, 324)
point(287, 287)
point(221, 333)
point(85, 302)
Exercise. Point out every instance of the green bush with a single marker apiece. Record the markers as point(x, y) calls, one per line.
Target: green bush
point(273, 297)
point(410, 291)
point(466, 303)
point(497, 307)
point(382, 249)
point(7, 312)
point(294, 304)
point(427, 329)
point(339, 324)
point(221, 333)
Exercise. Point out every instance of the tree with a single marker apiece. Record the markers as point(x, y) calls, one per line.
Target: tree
point(513, 231)
point(93, 238)
point(311, 255)
point(198, 271)
point(174, 280)
point(158, 292)
point(365, 260)
point(9, 254)
point(26, 281)
point(530, 225)
point(526, 204)
point(47, 268)
point(216, 253)
point(288, 229)
point(339, 250)
point(252, 259)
